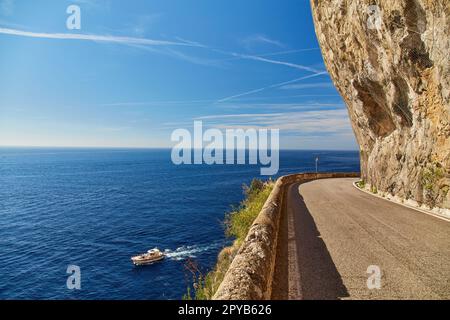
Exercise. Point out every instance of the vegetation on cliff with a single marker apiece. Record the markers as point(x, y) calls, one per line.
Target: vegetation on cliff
point(237, 225)
point(430, 178)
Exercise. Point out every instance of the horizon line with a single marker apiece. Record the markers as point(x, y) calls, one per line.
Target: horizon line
point(156, 148)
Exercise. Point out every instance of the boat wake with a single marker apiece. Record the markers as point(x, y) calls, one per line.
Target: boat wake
point(185, 252)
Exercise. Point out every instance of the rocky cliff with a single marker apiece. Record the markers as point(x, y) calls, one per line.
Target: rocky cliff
point(389, 59)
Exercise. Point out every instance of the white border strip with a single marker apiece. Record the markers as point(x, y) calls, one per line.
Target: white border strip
point(430, 213)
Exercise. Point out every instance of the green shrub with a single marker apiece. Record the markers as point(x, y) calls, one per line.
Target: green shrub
point(361, 184)
point(237, 225)
point(430, 176)
point(239, 221)
point(373, 189)
point(429, 180)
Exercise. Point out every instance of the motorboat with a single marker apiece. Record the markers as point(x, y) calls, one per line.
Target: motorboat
point(149, 257)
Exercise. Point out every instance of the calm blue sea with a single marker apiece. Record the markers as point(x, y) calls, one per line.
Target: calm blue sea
point(94, 208)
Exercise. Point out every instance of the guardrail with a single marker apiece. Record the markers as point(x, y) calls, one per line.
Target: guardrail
point(251, 273)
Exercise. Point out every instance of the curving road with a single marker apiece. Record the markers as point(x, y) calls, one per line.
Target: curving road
point(330, 234)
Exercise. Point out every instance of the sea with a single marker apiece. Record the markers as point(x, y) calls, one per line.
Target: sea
point(95, 208)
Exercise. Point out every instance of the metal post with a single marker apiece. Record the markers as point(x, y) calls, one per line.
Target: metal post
point(317, 165)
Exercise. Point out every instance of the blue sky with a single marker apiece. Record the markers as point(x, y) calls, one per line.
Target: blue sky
point(139, 69)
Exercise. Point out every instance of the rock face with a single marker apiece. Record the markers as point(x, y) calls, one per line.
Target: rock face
point(390, 61)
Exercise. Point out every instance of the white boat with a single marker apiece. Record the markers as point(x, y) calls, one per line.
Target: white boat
point(149, 257)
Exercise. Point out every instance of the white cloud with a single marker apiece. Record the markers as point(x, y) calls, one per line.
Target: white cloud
point(308, 86)
point(92, 37)
point(6, 7)
point(238, 116)
point(262, 58)
point(276, 85)
point(94, 4)
point(283, 63)
point(146, 44)
point(284, 106)
point(258, 39)
point(236, 56)
point(320, 121)
point(179, 55)
point(143, 22)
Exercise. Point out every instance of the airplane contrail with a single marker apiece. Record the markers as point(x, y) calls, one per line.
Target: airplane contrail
point(276, 85)
point(92, 37)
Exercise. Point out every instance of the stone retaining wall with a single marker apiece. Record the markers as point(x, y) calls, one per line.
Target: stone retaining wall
point(250, 274)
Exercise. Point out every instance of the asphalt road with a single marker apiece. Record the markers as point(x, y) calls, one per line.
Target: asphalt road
point(331, 233)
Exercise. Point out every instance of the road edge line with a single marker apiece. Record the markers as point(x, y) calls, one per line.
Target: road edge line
point(430, 213)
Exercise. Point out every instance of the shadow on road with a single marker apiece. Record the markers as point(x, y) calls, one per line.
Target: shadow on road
point(317, 276)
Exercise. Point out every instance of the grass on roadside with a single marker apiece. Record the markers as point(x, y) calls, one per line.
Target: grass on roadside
point(237, 225)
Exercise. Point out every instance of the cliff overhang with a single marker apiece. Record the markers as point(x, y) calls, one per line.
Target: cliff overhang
point(390, 62)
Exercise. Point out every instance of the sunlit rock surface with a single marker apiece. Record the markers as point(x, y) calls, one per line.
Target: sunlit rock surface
point(390, 62)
